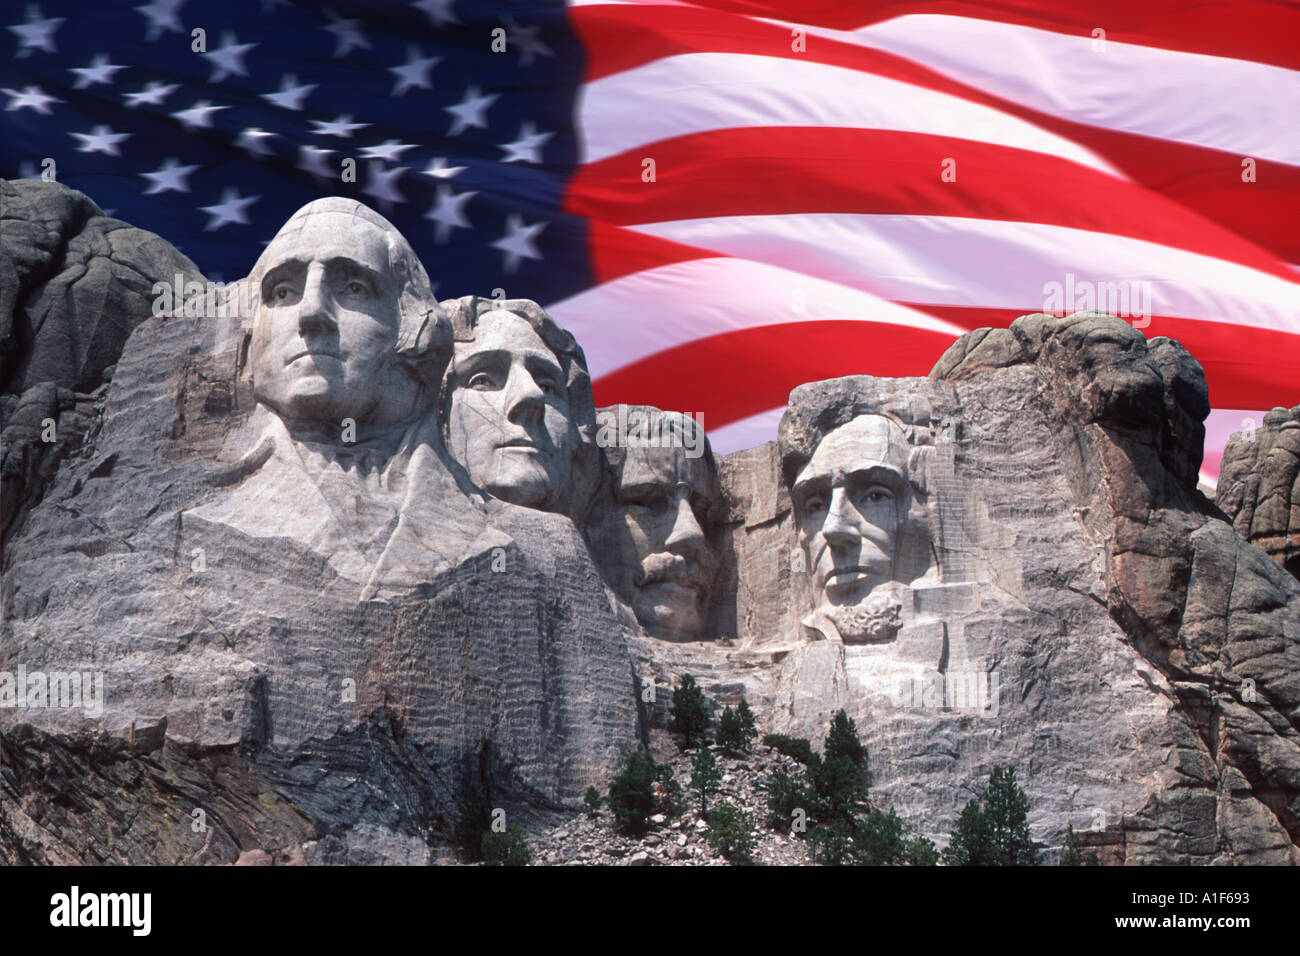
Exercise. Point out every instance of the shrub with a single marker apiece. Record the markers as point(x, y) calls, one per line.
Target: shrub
point(1074, 855)
point(507, 848)
point(705, 776)
point(785, 794)
point(669, 798)
point(796, 747)
point(631, 792)
point(688, 715)
point(474, 820)
point(731, 832)
point(591, 802)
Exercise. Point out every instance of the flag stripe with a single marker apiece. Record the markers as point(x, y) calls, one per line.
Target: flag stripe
point(1258, 30)
point(785, 170)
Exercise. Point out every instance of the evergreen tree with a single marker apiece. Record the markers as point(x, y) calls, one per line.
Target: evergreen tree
point(669, 797)
point(731, 833)
point(1074, 855)
point(842, 740)
point(474, 820)
point(507, 848)
point(748, 727)
point(785, 795)
point(631, 792)
point(996, 831)
point(1007, 808)
point(688, 715)
point(705, 776)
point(796, 747)
point(591, 801)
point(730, 738)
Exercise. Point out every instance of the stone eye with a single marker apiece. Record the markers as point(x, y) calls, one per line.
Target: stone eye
point(481, 381)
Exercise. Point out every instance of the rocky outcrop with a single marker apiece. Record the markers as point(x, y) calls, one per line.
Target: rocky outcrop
point(1259, 485)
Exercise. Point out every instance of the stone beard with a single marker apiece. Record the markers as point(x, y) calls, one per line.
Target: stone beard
point(653, 524)
point(850, 501)
point(509, 422)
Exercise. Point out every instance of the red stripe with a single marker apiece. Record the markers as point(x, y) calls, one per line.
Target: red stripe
point(1257, 30)
point(1208, 181)
point(737, 374)
point(791, 170)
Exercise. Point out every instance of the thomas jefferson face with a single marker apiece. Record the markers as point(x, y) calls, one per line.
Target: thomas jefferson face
point(327, 325)
point(663, 560)
point(509, 422)
point(849, 503)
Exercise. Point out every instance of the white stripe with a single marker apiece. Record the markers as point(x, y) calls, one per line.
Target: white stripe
point(746, 433)
point(699, 92)
point(637, 315)
point(989, 263)
point(1235, 105)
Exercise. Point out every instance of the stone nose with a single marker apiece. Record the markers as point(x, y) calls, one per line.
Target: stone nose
point(315, 312)
point(686, 536)
point(839, 528)
point(525, 399)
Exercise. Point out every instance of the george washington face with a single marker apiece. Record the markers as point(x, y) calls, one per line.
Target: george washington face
point(324, 342)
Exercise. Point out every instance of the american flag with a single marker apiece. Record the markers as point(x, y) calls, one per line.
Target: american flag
point(722, 199)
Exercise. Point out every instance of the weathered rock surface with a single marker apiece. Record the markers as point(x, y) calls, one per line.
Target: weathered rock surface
point(1259, 485)
point(1051, 593)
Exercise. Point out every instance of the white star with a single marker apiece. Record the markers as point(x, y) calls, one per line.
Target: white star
point(228, 58)
point(528, 147)
point(250, 140)
point(171, 175)
point(469, 111)
point(382, 184)
point(389, 150)
point(101, 139)
point(528, 41)
point(32, 97)
point(439, 169)
point(162, 17)
point(414, 72)
point(230, 209)
point(153, 94)
point(312, 160)
point(290, 95)
point(340, 126)
point(449, 213)
point(99, 71)
point(198, 116)
point(517, 243)
point(348, 33)
point(438, 11)
point(36, 33)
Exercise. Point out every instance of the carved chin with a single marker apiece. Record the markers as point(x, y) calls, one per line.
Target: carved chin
point(670, 610)
point(521, 479)
point(874, 620)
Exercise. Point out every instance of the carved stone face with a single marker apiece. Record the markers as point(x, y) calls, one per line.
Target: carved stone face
point(849, 502)
point(509, 421)
point(655, 535)
point(328, 318)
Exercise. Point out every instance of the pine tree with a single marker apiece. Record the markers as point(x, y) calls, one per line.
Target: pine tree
point(688, 715)
point(731, 833)
point(748, 727)
point(507, 848)
point(474, 820)
point(730, 737)
point(842, 740)
point(591, 801)
point(1074, 855)
point(971, 843)
point(1007, 808)
point(631, 792)
point(705, 776)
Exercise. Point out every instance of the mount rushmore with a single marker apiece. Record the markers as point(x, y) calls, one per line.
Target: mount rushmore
point(339, 552)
